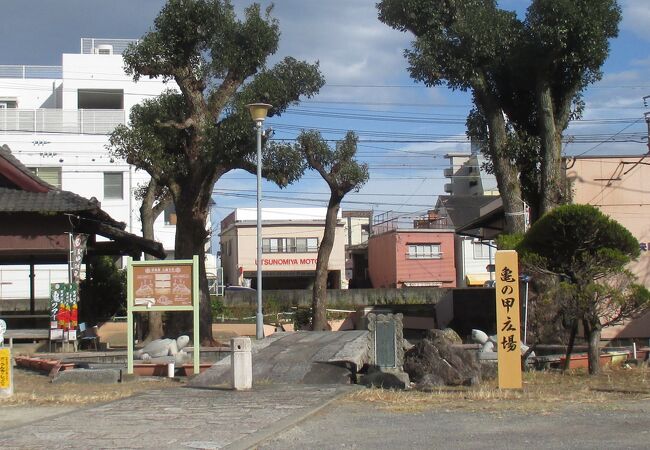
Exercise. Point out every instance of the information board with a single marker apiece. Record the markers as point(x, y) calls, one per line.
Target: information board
point(162, 285)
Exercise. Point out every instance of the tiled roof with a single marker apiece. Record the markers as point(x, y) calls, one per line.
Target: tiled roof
point(53, 201)
point(16, 200)
point(5, 153)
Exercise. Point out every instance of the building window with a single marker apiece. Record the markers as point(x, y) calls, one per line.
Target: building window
point(170, 215)
point(424, 251)
point(289, 245)
point(481, 251)
point(51, 175)
point(306, 245)
point(113, 185)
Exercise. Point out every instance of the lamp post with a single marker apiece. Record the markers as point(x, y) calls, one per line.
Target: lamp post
point(258, 114)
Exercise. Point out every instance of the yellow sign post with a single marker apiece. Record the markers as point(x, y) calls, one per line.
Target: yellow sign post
point(508, 323)
point(6, 385)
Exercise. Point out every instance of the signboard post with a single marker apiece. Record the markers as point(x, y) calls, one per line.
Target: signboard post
point(508, 326)
point(6, 373)
point(163, 286)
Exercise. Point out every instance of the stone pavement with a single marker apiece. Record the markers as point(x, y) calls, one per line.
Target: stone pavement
point(179, 418)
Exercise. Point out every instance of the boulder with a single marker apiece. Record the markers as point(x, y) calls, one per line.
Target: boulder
point(434, 361)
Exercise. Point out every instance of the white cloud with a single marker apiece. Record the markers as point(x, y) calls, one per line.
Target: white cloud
point(636, 17)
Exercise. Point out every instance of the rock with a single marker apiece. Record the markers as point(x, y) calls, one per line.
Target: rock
point(435, 362)
point(451, 336)
point(87, 376)
point(386, 379)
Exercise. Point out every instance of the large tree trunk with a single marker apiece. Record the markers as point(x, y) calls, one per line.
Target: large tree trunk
point(148, 216)
point(569, 348)
point(191, 237)
point(319, 299)
point(505, 172)
point(592, 332)
point(552, 186)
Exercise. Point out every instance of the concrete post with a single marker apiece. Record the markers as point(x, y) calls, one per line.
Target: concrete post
point(241, 363)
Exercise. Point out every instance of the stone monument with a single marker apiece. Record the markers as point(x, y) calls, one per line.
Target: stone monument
point(387, 346)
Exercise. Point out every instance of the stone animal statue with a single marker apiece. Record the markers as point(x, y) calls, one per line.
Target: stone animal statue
point(488, 343)
point(161, 348)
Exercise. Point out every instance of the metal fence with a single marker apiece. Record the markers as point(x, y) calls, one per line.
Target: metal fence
point(23, 72)
point(90, 45)
point(392, 220)
point(77, 121)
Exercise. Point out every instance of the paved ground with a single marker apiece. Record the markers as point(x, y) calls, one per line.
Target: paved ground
point(179, 418)
point(307, 416)
point(351, 426)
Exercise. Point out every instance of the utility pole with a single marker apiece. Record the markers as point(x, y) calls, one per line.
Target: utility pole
point(647, 118)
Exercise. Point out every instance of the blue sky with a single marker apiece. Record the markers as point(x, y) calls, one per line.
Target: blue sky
point(405, 128)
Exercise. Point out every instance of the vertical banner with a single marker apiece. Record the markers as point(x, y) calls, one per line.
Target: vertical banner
point(6, 385)
point(63, 307)
point(77, 249)
point(508, 326)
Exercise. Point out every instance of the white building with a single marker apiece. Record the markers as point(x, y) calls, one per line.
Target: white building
point(290, 241)
point(57, 120)
point(470, 188)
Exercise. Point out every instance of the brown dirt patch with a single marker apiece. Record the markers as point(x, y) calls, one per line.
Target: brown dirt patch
point(543, 392)
point(32, 388)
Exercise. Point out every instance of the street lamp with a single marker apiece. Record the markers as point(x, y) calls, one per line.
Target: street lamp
point(258, 114)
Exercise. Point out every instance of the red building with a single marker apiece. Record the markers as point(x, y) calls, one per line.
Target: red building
point(411, 252)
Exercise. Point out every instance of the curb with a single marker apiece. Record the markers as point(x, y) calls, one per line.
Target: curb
point(255, 439)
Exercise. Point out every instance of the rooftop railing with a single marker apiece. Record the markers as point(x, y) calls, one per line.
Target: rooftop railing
point(392, 220)
point(75, 121)
point(93, 45)
point(8, 71)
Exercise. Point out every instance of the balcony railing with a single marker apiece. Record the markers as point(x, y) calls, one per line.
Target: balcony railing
point(75, 121)
point(8, 71)
point(392, 220)
point(117, 46)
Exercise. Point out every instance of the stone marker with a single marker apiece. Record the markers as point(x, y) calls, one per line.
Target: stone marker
point(241, 363)
point(387, 346)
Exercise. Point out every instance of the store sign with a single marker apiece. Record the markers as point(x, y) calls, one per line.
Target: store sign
point(288, 261)
point(508, 326)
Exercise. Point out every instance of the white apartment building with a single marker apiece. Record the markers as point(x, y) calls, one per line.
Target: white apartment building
point(57, 120)
point(470, 188)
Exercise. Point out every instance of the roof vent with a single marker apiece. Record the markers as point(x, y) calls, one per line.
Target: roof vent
point(104, 49)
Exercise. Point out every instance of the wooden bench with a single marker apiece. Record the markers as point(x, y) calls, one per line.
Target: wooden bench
point(35, 334)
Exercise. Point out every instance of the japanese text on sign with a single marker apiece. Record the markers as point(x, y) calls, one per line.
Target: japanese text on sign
point(508, 323)
point(5, 367)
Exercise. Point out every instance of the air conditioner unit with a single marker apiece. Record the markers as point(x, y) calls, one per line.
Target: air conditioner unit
point(104, 49)
point(448, 172)
point(449, 188)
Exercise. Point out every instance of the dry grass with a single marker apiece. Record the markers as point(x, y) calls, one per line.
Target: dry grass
point(543, 392)
point(34, 389)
